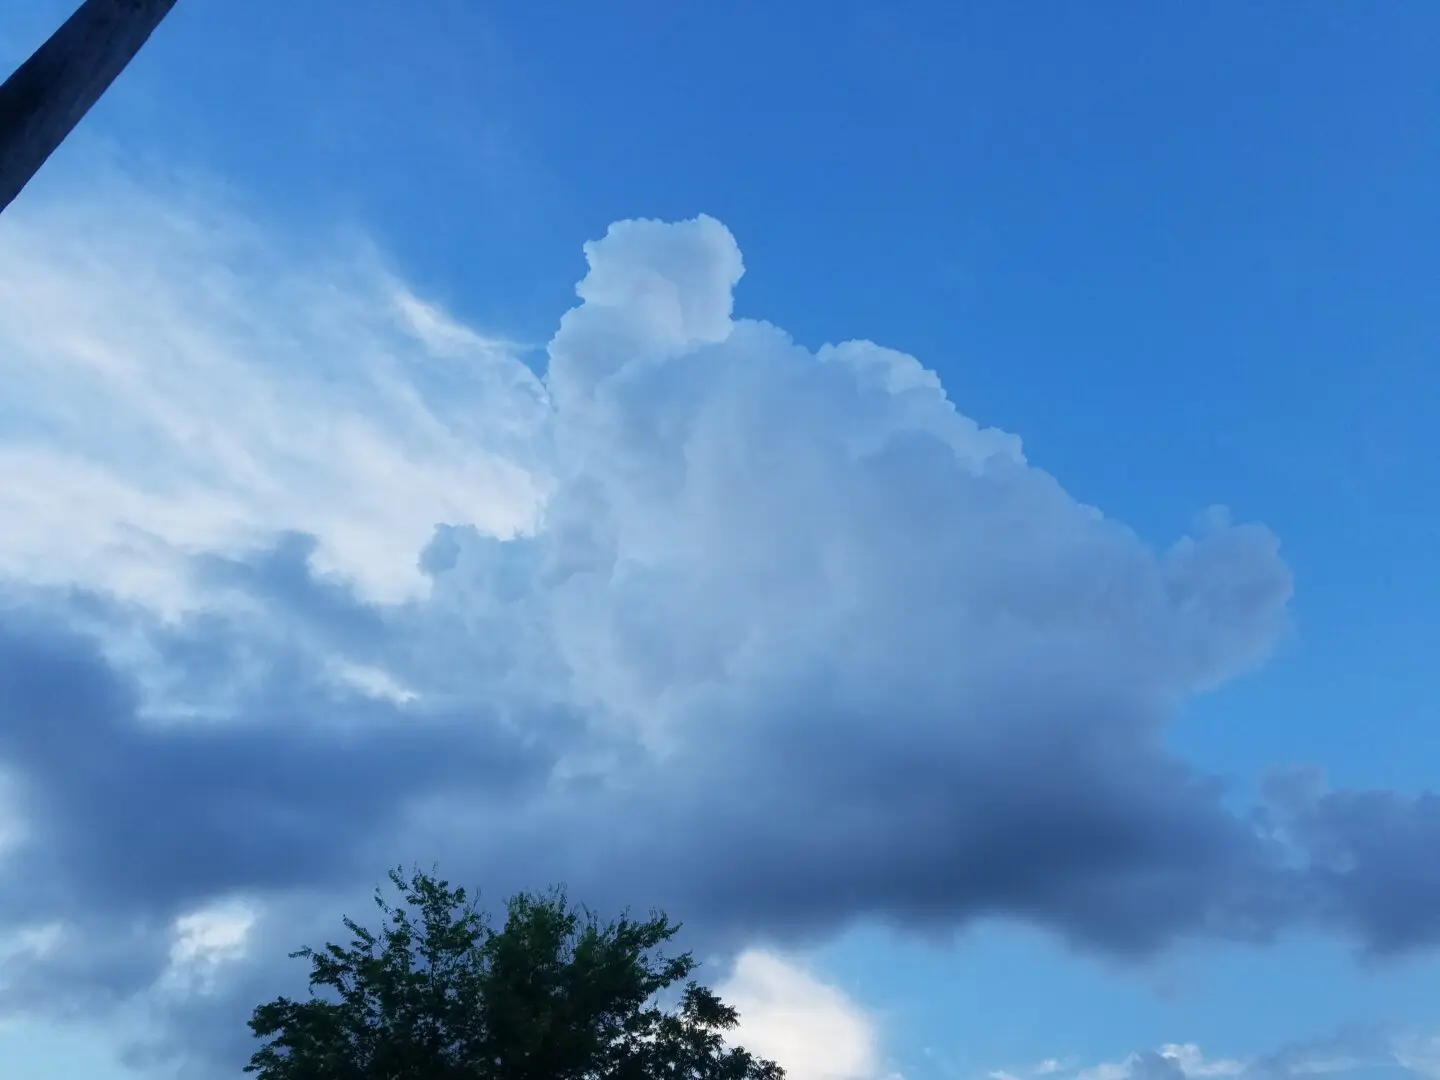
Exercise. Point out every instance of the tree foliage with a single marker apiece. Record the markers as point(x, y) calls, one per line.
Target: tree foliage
point(439, 994)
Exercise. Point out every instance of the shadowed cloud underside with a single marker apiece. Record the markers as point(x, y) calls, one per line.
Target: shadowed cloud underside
point(307, 575)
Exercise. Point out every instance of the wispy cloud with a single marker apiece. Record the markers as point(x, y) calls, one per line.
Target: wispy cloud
point(174, 385)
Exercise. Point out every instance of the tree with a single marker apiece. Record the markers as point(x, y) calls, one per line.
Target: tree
point(439, 994)
point(51, 92)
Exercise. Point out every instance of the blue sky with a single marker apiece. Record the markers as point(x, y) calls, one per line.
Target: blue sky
point(935, 746)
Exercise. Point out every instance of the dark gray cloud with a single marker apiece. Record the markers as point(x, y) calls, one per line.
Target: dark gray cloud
point(1371, 866)
point(793, 643)
point(133, 821)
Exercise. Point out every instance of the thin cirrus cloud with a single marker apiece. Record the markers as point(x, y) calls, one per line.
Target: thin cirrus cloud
point(301, 576)
point(150, 415)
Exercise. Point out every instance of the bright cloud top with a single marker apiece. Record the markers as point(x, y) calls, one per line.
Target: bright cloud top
point(810, 1027)
point(302, 576)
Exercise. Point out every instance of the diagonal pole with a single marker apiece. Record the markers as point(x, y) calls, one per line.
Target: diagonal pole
point(50, 93)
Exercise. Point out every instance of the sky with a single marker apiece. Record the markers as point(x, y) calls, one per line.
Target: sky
point(936, 497)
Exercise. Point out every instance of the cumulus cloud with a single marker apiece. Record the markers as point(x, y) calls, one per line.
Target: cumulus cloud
point(301, 576)
point(791, 1016)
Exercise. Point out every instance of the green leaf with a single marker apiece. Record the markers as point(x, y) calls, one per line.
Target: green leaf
point(437, 993)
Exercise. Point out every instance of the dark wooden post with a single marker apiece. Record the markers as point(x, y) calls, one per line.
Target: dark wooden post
point(52, 91)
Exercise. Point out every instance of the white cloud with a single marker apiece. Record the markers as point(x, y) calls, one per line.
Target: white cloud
point(793, 601)
point(789, 1015)
point(176, 383)
point(172, 384)
point(206, 940)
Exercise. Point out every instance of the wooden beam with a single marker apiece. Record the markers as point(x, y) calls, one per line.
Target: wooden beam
point(52, 91)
